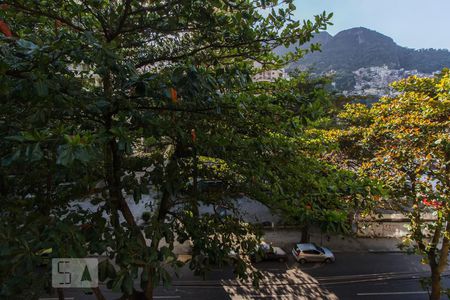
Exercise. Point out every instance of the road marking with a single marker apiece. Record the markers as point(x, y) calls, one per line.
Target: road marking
point(337, 281)
point(386, 274)
point(71, 298)
point(270, 296)
point(392, 293)
point(359, 281)
point(201, 287)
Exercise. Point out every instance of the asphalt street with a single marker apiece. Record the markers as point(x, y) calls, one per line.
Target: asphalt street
point(360, 276)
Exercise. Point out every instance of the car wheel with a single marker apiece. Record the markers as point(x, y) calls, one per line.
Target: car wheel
point(302, 261)
point(328, 261)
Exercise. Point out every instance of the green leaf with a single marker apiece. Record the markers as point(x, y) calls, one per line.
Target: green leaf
point(12, 158)
point(30, 46)
point(65, 156)
point(137, 196)
point(36, 154)
point(102, 270)
point(41, 88)
point(117, 283)
point(111, 271)
point(127, 285)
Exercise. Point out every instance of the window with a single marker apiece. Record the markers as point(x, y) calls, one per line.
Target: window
point(314, 252)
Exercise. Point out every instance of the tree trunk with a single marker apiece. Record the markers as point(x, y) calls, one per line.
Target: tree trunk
point(435, 284)
point(60, 293)
point(164, 207)
point(194, 199)
point(441, 264)
point(113, 173)
point(98, 294)
point(305, 234)
point(149, 287)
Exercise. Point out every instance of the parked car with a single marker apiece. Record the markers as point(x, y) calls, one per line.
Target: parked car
point(268, 252)
point(309, 252)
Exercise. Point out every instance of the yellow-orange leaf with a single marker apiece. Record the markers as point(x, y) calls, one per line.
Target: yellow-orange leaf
point(193, 135)
point(5, 29)
point(58, 24)
point(173, 95)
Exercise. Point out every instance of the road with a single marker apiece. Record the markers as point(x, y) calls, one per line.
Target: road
point(359, 276)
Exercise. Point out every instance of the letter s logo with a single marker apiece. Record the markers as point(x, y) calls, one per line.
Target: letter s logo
point(61, 270)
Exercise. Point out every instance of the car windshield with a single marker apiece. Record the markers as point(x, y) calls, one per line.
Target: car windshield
point(319, 249)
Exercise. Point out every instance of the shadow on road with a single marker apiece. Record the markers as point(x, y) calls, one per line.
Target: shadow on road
point(278, 284)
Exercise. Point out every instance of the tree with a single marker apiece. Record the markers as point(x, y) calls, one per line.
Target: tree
point(105, 99)
point(403, 141)
point(318, 190)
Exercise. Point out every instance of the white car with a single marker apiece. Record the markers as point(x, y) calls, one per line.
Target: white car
point(309, 252)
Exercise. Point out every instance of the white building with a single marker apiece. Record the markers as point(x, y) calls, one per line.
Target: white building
point(269, 75)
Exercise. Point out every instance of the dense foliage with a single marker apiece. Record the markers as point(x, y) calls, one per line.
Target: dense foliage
point(318, 191)
point(107, 102)
point(404, 141)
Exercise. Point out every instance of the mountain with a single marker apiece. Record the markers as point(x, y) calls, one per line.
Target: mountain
point(322, 38)
point(355, 54)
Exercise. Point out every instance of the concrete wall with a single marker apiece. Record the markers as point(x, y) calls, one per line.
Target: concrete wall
point(382, 229)
point(390, 225)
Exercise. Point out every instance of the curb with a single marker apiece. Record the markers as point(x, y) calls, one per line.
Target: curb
point(367, 251)
point(385, 251)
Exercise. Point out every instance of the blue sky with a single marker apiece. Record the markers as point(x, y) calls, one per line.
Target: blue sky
point(411, 23)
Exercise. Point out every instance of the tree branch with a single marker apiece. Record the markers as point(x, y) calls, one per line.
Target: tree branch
point(126, 10)
point(443, 257)
point(47, 14)
point(99, 18)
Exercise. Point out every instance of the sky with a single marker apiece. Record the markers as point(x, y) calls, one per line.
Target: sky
point(411, 23)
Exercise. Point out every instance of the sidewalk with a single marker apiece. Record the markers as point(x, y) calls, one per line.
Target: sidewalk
point(287, 238)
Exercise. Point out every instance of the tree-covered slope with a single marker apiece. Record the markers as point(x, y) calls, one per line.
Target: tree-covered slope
point(360, 47)
point(364, 62)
